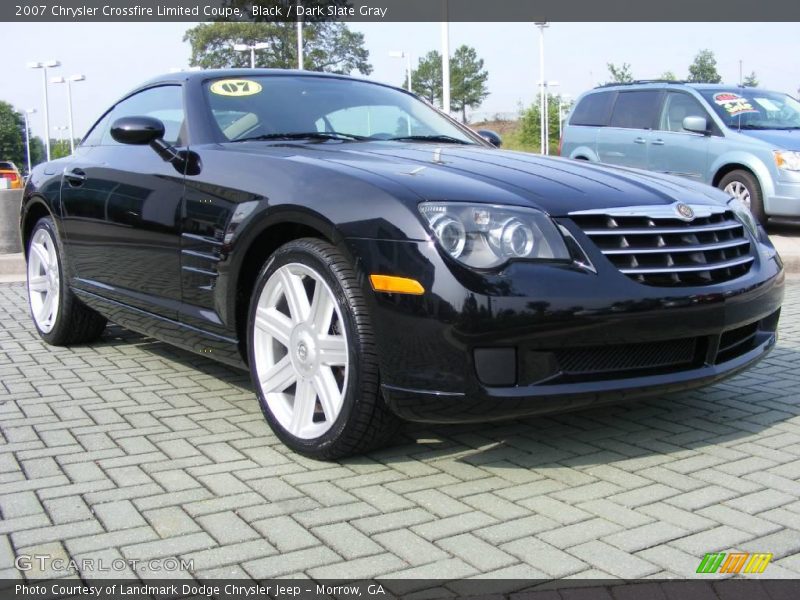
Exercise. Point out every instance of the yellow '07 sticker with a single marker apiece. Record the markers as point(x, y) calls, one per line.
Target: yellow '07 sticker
point(235, 87)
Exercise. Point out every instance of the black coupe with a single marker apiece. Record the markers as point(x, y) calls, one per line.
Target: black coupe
point(369, 258)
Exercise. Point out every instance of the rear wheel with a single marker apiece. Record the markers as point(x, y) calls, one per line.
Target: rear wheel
point(312, 354)
point(744, 186)
point(60, 318)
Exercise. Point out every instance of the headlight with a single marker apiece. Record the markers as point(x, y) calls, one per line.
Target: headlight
point(744, 215)
point(784, 159)
point(485, 236)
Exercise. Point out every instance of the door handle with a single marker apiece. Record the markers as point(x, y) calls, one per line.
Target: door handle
point(639, 140)
point(75, 177)
point(658, 142)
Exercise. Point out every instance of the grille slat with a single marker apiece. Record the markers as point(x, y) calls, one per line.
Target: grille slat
point(654, 246)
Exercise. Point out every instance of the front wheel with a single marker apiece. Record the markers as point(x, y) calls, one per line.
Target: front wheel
point(60, 318)
point(312, 354)
point(743, 186)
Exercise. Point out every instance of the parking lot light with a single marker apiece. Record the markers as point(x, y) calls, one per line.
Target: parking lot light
point(252, 48)
point(48, 64)
point(25, 114)
point(68, 81)
point(542, 99)
point(407, 56)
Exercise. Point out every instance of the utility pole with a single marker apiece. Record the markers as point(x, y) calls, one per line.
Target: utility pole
point(542, 92)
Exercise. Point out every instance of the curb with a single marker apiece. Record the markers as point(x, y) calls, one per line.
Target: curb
point(12, 267)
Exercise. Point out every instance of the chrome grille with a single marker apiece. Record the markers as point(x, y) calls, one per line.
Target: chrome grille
point(655, 245)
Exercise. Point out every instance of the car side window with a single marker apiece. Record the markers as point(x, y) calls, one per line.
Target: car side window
point(164, 103)
point(677, 107)
point(593, 110)
point(636, 110)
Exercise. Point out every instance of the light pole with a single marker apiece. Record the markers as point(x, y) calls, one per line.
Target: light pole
point(68, 81)
point(48, 64)
point(445, 63)
point(542, 107)
point(407, 56)
point(252, 48)
point(547, 85)
point(25, 114)
point(300, 58)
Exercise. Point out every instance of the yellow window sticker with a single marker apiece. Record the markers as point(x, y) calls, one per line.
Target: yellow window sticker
point(235, 87)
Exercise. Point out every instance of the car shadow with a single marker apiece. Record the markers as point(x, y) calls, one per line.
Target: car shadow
point(672, 424)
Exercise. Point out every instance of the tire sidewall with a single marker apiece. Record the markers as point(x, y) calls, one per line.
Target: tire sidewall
point(298, 252)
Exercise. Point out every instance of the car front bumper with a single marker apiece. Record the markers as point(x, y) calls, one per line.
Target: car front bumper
point(784, 201)
point(537, 338)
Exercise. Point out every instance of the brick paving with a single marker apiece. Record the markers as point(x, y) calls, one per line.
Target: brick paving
point(130, 449)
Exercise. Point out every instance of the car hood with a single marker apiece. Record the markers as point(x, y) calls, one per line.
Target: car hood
point(476, 174)
point(786, 139)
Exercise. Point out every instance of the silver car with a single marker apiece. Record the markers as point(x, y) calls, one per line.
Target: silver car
point(745, 141)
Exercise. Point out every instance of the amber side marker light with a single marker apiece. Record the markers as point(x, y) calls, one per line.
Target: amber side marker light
point(396, 285)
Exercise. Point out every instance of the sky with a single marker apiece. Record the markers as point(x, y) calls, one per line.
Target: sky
point(115, 57)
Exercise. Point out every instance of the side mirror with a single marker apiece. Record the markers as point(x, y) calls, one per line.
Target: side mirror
point(695, 124)
point(490, 136)
point(138, 131)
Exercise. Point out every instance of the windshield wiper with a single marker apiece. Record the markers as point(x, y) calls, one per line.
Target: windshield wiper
point(430, 138)
point(303, 135)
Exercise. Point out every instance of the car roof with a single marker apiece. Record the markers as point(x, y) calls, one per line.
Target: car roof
point(666, 83)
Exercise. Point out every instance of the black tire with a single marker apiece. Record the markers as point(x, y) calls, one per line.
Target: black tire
point(74, 323)
point(749, 181)
point(365, 422)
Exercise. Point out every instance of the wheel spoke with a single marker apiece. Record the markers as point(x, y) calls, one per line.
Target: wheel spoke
point(42, 255)
point(321, 309)
point(296, 296)
point(38, 283)
point(328, 391)
point(279, 377)
point(332, 350)
point(52, 261)
point(274, 323)
point(305, 400)
point(46, 310)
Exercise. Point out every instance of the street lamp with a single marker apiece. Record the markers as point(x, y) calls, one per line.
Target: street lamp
point(25, 114)
point(252, 48)
point(48, 64)
point(542, 108)
point(546, 87)
point(300, 57)
point(407, 56)
point(68, 81)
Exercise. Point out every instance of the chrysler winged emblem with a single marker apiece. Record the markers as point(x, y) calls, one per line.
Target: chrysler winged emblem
point(684, 211)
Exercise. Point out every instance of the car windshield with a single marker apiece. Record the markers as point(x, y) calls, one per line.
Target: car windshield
point(321, 109)
point(747, 108)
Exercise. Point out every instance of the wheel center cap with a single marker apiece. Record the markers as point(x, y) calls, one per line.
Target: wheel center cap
point(303, 353)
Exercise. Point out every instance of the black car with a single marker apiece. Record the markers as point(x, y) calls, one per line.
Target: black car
point(370, 258)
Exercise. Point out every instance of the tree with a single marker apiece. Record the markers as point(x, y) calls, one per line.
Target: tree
point(704, 68)
point(750, 80)
point(426, 80)
point(467, 80)
point(12, 143)
point(530, 126)
point(668, 76)
point(328, 46)
point(620, 74)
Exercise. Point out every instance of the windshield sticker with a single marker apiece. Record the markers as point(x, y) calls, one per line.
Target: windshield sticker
point(734, 104)
point(767, 104)
point(235, 87)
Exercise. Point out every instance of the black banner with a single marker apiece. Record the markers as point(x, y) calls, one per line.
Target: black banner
point(395, 589)
point(398, 10)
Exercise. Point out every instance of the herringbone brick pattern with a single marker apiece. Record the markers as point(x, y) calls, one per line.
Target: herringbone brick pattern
point(130, 449)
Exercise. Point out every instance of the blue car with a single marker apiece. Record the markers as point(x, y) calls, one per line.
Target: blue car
point(745, 141)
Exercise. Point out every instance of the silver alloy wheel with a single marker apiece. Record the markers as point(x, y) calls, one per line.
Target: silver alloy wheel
point(739, 191)
point(300, 349)
point(44, 280)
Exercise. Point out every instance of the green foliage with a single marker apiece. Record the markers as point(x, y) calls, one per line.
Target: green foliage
point(751, 80)
point(669, 76)
point(530, 128)
point(620, 74)
point(468, 87)
point(327, 46)
point(37, 151)
point(59, 148)
point(12, 142)
point(704, 68)
point(426, 79)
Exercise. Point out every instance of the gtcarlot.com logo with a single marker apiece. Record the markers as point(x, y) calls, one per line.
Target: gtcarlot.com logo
point(734, 562)
point(43, 562)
